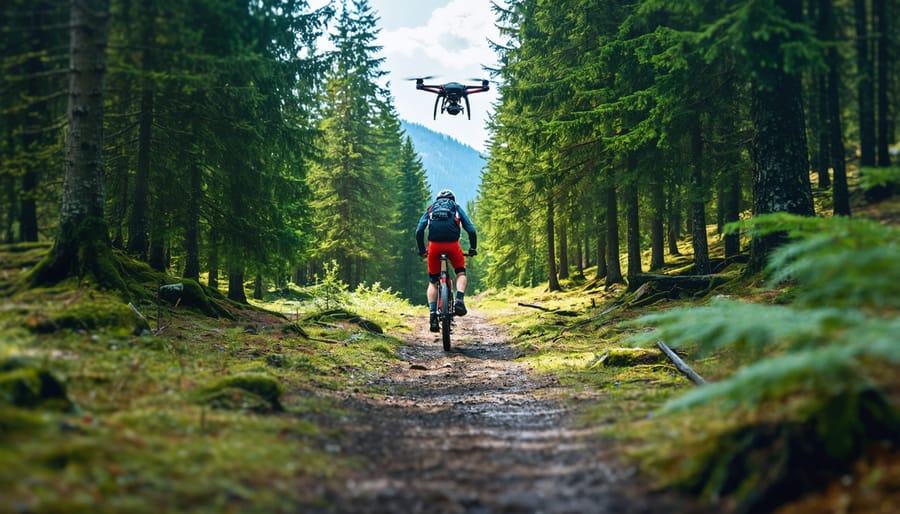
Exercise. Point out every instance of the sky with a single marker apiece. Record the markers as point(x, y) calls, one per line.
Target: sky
point(444, 38)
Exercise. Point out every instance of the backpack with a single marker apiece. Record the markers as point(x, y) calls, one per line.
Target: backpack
point(442, 209)
point(443, 221)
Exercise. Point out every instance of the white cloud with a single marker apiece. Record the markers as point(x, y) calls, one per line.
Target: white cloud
point(455, 37)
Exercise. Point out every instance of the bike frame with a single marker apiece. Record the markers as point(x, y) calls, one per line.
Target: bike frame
point(445, 301)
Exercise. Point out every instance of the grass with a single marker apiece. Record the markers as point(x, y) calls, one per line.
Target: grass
point(144, 436)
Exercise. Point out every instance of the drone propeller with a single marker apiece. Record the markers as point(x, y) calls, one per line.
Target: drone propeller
point(427, 77)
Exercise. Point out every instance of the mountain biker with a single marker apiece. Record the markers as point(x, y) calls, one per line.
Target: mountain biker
point(443, 219)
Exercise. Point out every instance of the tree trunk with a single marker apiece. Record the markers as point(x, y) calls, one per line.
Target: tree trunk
point(553, 280)
point(563, 248)
point(884, 18)
point(732, 208)
point(137, 225)
point(818, 108)
point(602, 269)
point(673, 231)
point(835, 130)
point(192, 230)
point(778, 153)
point(698, 209)
point(236, 284)
point(32, 140)
point(213, 260)
point(82, 248)
point(633, 229)
point(613, 267)
point(865, 86)
point(657, 225)
point(258, 287)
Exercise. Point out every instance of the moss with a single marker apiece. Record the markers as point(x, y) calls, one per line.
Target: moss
point(249, 391)
point(28, 386)
point(15, 420)
point(89, 314)
point(624, 357)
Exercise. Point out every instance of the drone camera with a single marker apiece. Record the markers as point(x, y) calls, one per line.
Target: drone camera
point(454, 109)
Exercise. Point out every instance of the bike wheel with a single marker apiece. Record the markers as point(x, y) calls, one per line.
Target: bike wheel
point(446, 316)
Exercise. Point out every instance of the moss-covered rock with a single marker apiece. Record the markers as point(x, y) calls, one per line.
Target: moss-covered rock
point(88, 314)
point(26, 385)
point(253, 392)
point(624, 357)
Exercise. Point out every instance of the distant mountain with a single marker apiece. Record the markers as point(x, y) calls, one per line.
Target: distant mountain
point(448, 163)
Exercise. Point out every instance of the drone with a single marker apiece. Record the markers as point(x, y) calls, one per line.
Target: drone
point(450, 94)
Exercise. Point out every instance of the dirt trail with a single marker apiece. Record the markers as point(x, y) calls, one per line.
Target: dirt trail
point(469, 432)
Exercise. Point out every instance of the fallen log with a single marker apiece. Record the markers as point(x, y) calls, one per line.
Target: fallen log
point(533, 306)
point(675, 283)
point(680, 364)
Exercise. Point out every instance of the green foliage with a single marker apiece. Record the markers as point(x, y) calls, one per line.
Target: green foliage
point(838, 261)
point(879, 177)
point(815, 363)
point(330, 292)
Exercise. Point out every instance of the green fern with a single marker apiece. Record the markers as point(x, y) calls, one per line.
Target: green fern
point(747, 326)
point(813, 372)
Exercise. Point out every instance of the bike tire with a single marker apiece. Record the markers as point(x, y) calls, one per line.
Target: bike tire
point(446, 316)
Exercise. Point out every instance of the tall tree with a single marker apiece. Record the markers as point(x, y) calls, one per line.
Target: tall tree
point(82, 247)
point(778, 151)
point(347, 183)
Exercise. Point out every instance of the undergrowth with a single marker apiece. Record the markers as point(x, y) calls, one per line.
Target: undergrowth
point(191, 414)
point(800, 363)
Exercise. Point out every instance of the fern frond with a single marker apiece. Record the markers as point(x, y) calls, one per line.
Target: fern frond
point(827, 371)
point(726, 323)
point(849, 263)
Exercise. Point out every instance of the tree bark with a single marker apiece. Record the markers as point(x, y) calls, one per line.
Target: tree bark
point(835, 130)
point(213, 260)
point(236, 284)
point(657, 225)
point(137, 225)
point(563, 247)
point(865, 85)
point(192, 230)
point(552, 279)
point(632, 216)
point(883, 16)
point(698, 209)
point(601, 253)
point(613, 267)
point(732, 210)
point(82, 248)
point(673, 228)
point(778, 150)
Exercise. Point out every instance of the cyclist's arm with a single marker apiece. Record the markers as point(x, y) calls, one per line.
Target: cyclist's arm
point(420, 233)
point(469, 228)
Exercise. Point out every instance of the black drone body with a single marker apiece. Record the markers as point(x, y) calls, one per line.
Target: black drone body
point(450, 95)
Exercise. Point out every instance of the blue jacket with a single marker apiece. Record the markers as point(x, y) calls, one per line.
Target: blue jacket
point(446, 232)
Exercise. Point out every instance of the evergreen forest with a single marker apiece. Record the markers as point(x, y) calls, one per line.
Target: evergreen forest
point(719, 177)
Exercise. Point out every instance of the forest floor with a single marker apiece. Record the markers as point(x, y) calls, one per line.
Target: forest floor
point(476, 431)
point(277, 408)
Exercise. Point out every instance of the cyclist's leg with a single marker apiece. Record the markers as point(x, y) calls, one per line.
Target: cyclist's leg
point(458, 261)
point(431, 293)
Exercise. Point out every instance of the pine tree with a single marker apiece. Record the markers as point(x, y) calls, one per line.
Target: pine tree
point(82, 247)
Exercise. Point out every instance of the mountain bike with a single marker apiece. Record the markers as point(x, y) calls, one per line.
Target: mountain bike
point(446, 297)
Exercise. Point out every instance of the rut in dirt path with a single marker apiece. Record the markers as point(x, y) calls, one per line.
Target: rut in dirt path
point(470, 431)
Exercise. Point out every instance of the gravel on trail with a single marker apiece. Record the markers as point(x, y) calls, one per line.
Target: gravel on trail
point(474, 431)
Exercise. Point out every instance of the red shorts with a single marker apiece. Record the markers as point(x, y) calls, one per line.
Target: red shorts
point(453, 251)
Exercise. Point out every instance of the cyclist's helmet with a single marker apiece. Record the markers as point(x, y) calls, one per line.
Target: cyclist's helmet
point(446, 193)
